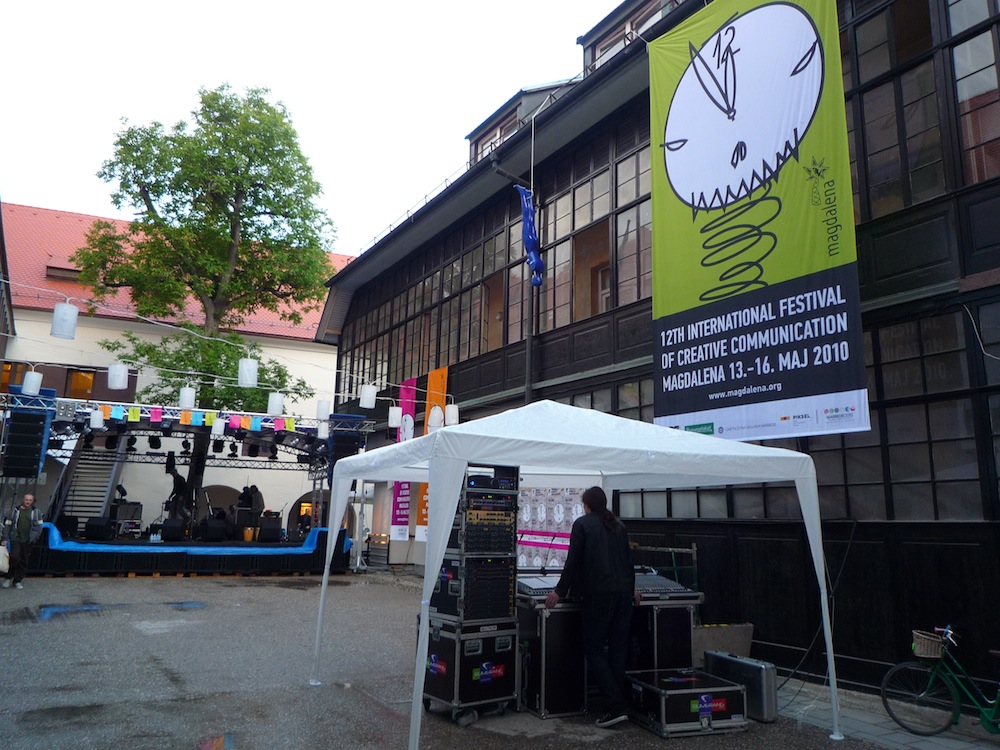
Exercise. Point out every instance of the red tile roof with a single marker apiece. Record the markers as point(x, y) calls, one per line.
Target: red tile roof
point(39, 242)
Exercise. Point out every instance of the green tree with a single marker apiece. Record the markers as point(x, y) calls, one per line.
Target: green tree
point(226, 226)
point(226, 217)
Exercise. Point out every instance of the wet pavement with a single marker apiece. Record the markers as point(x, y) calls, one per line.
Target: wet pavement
point(223, 662)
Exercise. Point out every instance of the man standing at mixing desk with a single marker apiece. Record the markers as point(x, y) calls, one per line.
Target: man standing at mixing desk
point(599, 571)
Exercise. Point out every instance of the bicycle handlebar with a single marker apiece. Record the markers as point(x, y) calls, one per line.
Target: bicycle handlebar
point(947, 633)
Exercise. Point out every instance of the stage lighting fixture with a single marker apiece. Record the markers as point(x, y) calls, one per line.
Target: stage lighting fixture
point(131, 444)
point(240, 434)
point(253, 450)
point(218, 446)
point(122, 492)
point(233, 450)
point(274, 453)
point(279, 436)
point(88, 441)
point(111, 442)
point(166, 428)
point(185, 447)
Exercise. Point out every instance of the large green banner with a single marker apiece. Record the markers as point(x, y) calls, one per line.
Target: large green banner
point(755, 294)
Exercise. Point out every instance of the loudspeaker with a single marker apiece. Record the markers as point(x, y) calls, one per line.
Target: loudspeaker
point(99, 529)
point(23, 454)
point(213, 530)
point(270, 530)
point(172, 530)
point(69, 526)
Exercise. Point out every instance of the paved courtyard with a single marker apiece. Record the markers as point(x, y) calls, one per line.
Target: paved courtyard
point(223, 662)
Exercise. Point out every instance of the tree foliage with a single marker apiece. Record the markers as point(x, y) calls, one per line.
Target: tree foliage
point(190, 359)
point(226, 217)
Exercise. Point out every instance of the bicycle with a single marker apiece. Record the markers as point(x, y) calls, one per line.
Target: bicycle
point(923, 696)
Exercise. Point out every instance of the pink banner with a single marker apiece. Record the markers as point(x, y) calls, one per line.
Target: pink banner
point(400, 521)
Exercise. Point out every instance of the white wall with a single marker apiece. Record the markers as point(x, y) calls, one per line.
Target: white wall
point(313, 362)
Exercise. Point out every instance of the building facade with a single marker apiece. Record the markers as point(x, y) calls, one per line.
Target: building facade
point(38, 244)
point(910, 508)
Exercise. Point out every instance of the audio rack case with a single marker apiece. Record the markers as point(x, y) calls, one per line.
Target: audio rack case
point(471, 664)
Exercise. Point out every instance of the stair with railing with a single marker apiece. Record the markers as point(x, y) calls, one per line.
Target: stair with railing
point(86, 488)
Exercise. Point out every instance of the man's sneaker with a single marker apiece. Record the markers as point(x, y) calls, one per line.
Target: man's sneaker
point(19, 585)
point(6, 583)
point(609, 720)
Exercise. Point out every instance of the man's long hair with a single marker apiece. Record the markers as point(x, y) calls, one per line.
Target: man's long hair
point(595, 499)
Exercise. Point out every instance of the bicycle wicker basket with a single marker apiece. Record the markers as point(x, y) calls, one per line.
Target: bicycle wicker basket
point(926, 645)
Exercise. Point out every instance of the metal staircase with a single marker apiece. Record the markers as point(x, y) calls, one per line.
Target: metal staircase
point(87, 486)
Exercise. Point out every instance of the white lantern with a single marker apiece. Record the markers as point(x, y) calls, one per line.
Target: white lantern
point(247, 373)
point(451, 414)
point(435, 418)
point(118, 376)
point(323, 430)
point(275, 404)
point(395, 416)
point(64, 320)
point(323, 409)
point(96, 419)
point(368, 393)
point(219, 426)
point(32, 383)
point(186, 398)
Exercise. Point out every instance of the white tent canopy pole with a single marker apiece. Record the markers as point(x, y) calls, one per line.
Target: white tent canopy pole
point(548, 440)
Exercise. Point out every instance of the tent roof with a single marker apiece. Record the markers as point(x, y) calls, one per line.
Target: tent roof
point(549, 440)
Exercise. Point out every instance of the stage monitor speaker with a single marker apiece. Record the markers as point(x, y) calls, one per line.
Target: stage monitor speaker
point(23, 454)
point(99, 529)
point(270, 530)
point(172, 530)
point(213, 530)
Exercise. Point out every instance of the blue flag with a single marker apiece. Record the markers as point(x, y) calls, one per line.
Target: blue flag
point(529, 236)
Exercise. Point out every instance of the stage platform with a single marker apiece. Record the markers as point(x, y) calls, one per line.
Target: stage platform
point(57, 556)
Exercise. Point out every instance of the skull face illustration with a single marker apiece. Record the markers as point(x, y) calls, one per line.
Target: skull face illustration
point(743, 106)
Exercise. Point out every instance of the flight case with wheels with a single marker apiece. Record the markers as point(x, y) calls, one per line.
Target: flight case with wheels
point(471, 665)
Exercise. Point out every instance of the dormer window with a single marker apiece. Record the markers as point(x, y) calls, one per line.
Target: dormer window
point(624, 34)
point(496, 135)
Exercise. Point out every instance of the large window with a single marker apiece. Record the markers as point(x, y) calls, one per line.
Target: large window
point(978, 106)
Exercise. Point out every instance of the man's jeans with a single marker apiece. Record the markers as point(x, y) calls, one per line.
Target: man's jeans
point(606, 622)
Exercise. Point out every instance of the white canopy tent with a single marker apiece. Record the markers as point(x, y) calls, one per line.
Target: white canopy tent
point(557, 445)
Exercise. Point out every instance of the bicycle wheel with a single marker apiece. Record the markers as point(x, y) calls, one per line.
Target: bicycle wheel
point(919, 699)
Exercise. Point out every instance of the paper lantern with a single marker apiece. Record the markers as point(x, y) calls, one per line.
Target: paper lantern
point(368, 393)
point(219, 426)
point(451, 414)
point(395, 416)
point(435, 418)
point(323, 430)
point(96, 419)
point(247, 373)
point(323, 409)
point(118, 376)
point(32, 383)
point(186, 398)
point(275, 404)
point(64, 320)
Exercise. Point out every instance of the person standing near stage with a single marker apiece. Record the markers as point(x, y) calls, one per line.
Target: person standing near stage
point(21, 531)
point(178, 501)
point(599, 571)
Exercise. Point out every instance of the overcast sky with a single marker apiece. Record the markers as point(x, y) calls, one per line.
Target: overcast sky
point(382, 94)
